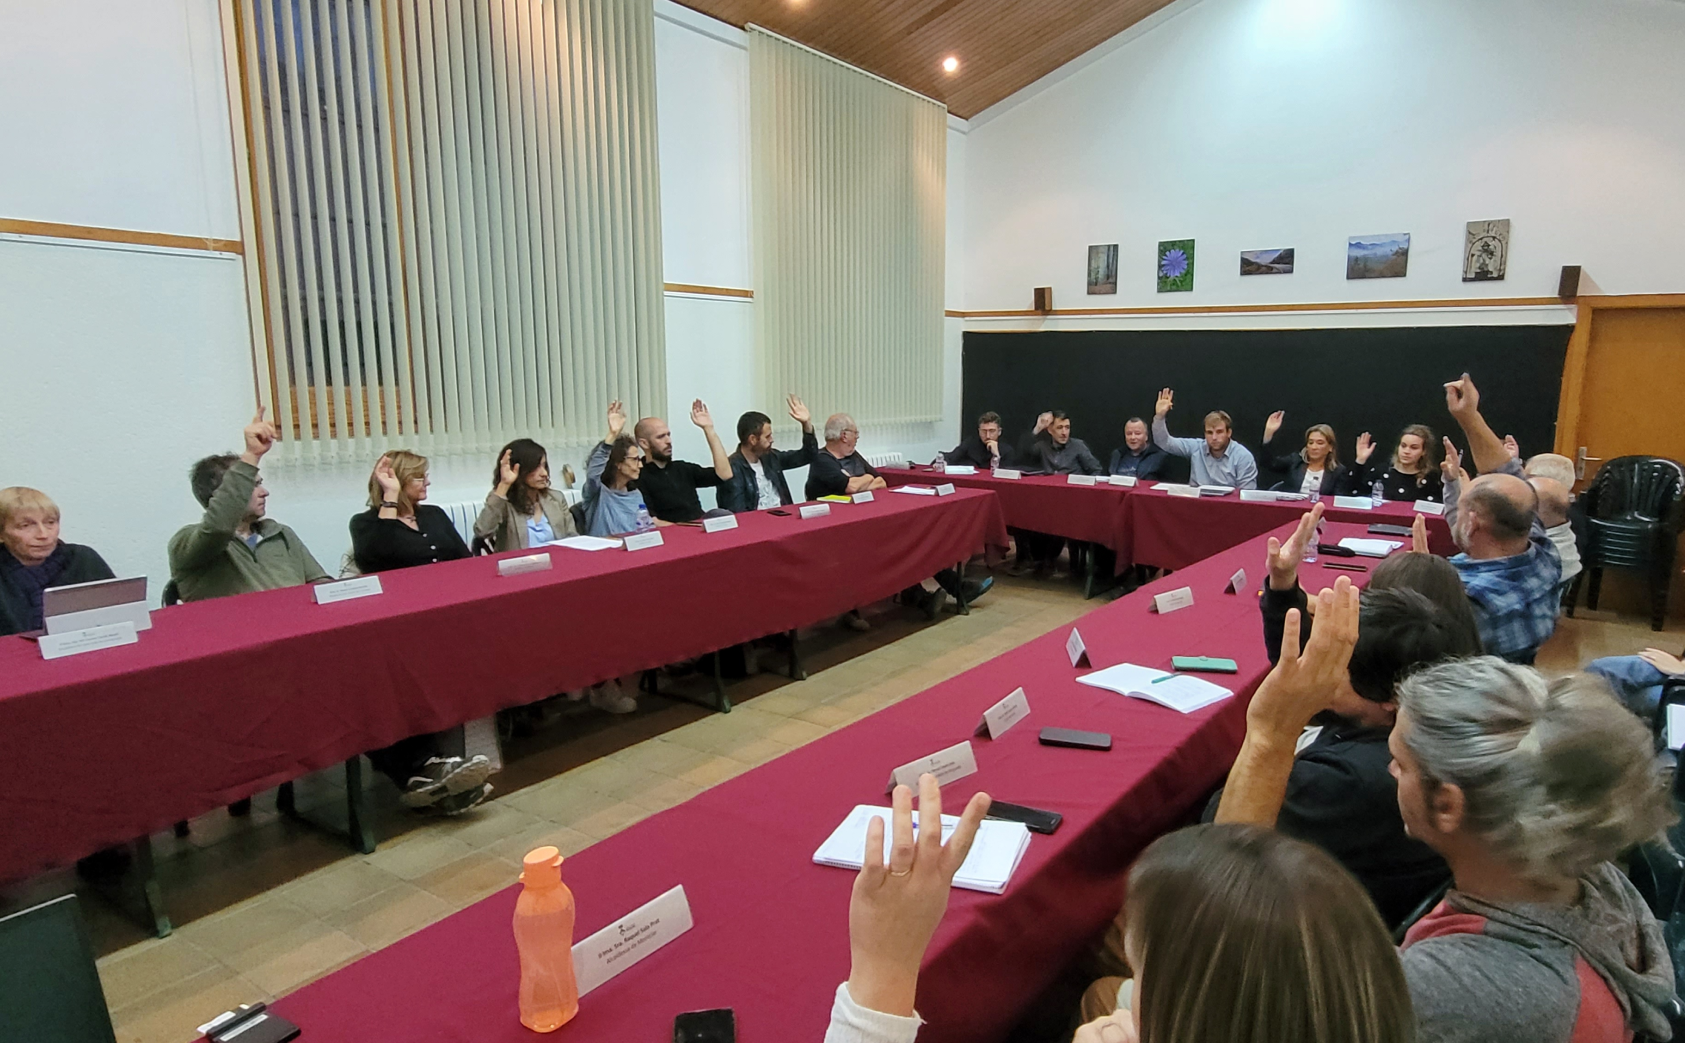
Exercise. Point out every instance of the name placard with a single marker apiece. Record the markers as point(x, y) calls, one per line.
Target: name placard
point(645, 540)
point(955, 762)
point(346, 590)
point(1126, 480)
point(1004, 714)
point(1237, 582)
point(1011, 473)
point(863, 497)
point(1354, 503)
point(960, 469)
point(719, 523)
point(1675, 726)
point(1427, 507)
point(815, 510)
point(1181, 490)
point(1076, 649)
point(945, 490)
point(630, 939)
point(1258, 495)
point(75, 642)
point(1171, 600)
point(524, 564)
point(1082, 479)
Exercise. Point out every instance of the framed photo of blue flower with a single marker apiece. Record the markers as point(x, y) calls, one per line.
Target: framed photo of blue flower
point(1176, 266)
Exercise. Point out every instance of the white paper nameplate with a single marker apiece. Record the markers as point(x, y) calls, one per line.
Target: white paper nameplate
point(955, 762)
point(627, 941)
point(524, 564)
point(1675, 726)
point(644, 540)
point(133, 612)
point(863, 497)
point(960, 469)
point(1076, 649)
point(815, 510)
point(1081, 479)
point(1008, 472)
point(719, 523)
point(1171, 600)
point(1427, 507)
point(1258, 495)
point(1355, 503)
point(1004, 714)
point(1237, 583)
point(945, 490)
point(75, 642)
point(1181, 490)
point(1126, 480)
point(346, 589)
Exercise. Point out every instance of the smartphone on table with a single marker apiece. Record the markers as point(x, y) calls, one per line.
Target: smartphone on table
point(706, 1026)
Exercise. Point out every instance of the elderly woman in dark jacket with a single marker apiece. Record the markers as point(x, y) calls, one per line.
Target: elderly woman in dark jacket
point(33, 558)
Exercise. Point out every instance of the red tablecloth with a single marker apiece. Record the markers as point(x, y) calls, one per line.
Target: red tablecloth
point(771, 934)
point(1045, 503)
point(1173, 532)
point(223, 699)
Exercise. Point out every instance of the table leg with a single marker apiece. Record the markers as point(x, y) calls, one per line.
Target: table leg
point(651, 683)
point(358, 831)
point(797, 672)
point(964, 608)
point(151, 895)
point(130, 884)
point(1088, 584)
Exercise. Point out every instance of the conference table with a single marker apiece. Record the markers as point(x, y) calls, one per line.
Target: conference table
point(770, 934)
point(222, 699)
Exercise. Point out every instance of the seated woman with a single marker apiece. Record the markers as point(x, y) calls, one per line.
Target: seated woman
point(521, 511)
point(32, 558)
point(1315, 469)
point(1413, 474)
point(612, 500)
point(1637, 680)
point(396, 532)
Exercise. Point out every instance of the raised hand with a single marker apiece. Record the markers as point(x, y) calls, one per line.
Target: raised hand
point(383, 474)
point(1300, 687)
point(1462, 398)
point(1043, 422)
point(1165, 398)
point(1365, 447)
point(260, 436)
point(1273, 424)
point(1513, 447)
point(616, 420)
point(1283, 560)
point(700, 416)
point(798, 411)
point(1451, 468)
point(895, 908)
point(1419, 535)
point(507, 474)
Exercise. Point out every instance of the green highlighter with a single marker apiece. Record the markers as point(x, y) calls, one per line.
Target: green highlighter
point(1203, 663)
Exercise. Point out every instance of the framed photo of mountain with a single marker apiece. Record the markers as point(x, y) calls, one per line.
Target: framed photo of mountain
point(1267, 262)
point(1486, 251)
point(1378, 256)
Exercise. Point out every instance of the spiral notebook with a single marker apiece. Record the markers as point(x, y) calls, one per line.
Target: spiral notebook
point(989, 866)
point(1182, 692)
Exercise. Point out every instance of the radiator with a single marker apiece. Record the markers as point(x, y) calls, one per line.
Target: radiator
point(883, 459)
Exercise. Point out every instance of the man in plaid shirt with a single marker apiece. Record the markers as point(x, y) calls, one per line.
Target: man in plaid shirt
point(1509, 566)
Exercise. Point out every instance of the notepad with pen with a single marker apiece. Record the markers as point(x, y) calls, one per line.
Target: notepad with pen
point(1177, 691)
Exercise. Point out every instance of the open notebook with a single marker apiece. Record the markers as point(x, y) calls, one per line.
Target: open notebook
point(1370, 548)
point(1182, 692)
point(994, 855)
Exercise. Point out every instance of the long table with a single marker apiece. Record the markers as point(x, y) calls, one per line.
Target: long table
point(771, 937)
point(1044, 503)
point(223, 699)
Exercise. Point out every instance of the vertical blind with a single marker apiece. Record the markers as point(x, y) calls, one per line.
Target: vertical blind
point(849, 207)
point(458, 212)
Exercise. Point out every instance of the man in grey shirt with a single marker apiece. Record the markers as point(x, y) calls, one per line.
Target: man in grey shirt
point(1062, 454)
point(1217, 459)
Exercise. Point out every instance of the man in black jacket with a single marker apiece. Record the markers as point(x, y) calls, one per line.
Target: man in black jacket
point(757, 470)
point(982, 450)
point(1138, 457)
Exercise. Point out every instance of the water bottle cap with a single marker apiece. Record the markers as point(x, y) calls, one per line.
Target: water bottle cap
point(543, 856)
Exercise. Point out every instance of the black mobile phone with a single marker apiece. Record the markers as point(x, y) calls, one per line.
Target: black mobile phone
point(1336, 550)
point(1390, 530)
point(1073, 738)
point(706, 1026)
point(1037, 820)
point(781, 514)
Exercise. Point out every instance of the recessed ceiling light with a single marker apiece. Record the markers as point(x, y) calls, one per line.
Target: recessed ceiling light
point(950, 64)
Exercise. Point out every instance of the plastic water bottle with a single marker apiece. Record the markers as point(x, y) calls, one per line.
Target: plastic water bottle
point(940, 464)
point(1316, 494)
point(1377, 494)
point(1316, 538)
point(549, 994)
point(644, 522)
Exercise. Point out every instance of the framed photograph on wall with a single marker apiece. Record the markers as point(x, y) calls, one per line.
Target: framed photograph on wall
point(1267, 262)
point(1176, 266)
point(1486, 251)
point(1102, 269)
point(1378, 256)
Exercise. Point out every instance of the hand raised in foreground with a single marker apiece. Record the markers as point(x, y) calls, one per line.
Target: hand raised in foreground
point(1419, 535)
point(1116, 1027)
point(895, 908)
point(260, 436)
point(1166, 399)
point(1451, 468)
point(700, 416)
point(1462, 398)
point(1283, 559)
point(1512, 447)
point(1365, 447)
point(1300, 686)
point(798, 411)
point(1043, 422)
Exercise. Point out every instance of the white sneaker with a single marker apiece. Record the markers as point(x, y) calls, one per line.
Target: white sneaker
point(611, 698)
point(444, 776)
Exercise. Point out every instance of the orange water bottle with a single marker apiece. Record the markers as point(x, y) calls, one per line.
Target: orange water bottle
point(544, 935)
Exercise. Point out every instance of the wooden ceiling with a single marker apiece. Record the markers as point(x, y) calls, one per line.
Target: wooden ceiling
point(1002, 45)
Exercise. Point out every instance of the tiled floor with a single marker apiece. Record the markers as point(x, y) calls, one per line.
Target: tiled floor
point(264, 905)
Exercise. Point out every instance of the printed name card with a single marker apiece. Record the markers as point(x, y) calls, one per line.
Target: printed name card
point(644, 540)
point(1427, 507)
point(1126, 480)
point(945, 490)
point(720, 523)
point(1237, 583)
point(1181, 490)
point(1171, 600)
point(961, 469)
point(90, 639)
point(863, 497)
point(1081, 479)
point(1008, 472)
point(1355, 503)
point(524, 564)
point(955, 762)
point(631, 939)
point(346, 589)
point(1258, 495)
point(1004, 714)
point(815, 510)
point(1076, 649)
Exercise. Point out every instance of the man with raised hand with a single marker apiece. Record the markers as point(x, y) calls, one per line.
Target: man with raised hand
point(757, 469)
point(669, 486)
point(1216, 459)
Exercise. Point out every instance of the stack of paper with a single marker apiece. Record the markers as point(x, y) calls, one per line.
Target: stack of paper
point(1177, 691)
point(1370, 548)
point(961, 469)
point(916, 490)
point(584, 543)
point(994, 856)
point(1167, 486)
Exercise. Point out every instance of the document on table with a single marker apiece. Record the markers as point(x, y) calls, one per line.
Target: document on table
point(1370, 548)
point(1178, 691)
point(994, 856)
point(585, 543)
point(916, 490)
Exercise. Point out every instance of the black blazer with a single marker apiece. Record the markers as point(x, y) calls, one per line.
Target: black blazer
point(972, 451)
point(17, 615)
point(379, 544)
point(743, 493)
point(1334, 480)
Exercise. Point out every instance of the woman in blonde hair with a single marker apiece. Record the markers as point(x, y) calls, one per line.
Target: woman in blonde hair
point(33, 558)
point(399, 530)
point(1314, 469)
point(1412, 474)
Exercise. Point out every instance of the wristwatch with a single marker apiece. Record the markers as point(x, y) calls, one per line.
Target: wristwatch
point(388, 503)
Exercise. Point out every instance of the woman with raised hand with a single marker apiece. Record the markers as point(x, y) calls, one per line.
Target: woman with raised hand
point(1412, 474)
point(33, 558)
point(1314, 469)
point(521, 511)
point(612, 500)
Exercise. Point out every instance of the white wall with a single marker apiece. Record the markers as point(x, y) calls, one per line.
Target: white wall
point(1249, 124)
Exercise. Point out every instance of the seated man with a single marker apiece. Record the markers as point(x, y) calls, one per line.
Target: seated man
point(1528, 789)
point(1139, 457)
point(757, 470)
point(1552, 476)
point(1054, 452)
point(982, 450)
point(1029, 447)
point(1508, 564)
point(669, 486)
point(1062, 454)
point(1217, 459)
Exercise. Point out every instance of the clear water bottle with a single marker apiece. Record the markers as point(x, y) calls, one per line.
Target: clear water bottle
point(1377, 494)
point(1316, 494)
point(1316, 538)
point(940, 464)
point(644, 522)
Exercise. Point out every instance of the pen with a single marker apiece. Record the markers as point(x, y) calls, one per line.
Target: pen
point(1166, 677)
point(1346, 568)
